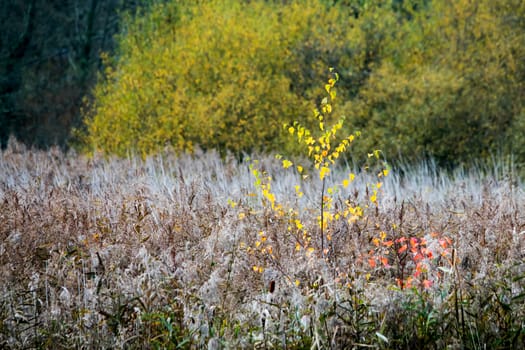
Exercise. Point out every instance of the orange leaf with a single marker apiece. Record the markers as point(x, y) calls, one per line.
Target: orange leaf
point(427, 284)
point(418, 256)
point(388, 243)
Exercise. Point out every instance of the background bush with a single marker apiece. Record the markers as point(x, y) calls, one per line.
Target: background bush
point(448, 84)
point(418, 78)
point(220, 74)
point(49, 59)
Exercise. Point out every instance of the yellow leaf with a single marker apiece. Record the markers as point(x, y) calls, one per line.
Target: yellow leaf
point(287, 164)
point(323, 172)
point(297, 283)
point(300, 133)
point(291, 130)
point(345, 183)
point(269, 196)
point(300, 169)
point(321, 126)
point(298, 191)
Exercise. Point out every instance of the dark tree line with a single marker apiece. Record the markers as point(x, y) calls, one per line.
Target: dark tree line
point(49, 58)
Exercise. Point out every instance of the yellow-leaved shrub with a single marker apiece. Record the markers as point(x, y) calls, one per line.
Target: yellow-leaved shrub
point(217, 74)
point(418, 78)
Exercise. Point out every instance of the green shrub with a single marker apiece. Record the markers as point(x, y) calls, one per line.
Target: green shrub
point(448, 84)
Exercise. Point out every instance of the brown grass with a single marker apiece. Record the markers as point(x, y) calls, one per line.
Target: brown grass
point(117, 253)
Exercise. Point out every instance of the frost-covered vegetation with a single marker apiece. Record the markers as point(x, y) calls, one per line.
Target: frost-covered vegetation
point(168, 252)
point(418, 78)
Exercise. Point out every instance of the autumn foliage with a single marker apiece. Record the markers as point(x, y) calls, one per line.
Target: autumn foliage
point(219, 74)
point(441, 79)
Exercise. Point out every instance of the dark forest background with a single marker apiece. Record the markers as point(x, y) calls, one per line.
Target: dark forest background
point(49, 59)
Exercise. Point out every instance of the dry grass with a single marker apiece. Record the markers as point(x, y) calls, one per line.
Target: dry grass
point(119, 253)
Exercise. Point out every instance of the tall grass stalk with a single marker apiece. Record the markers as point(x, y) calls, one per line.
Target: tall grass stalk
point(110, 253)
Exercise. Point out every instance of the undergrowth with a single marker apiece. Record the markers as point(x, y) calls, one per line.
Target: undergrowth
point(187, 252)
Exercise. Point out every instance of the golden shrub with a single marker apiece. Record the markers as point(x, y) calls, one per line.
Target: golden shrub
point(218, 74)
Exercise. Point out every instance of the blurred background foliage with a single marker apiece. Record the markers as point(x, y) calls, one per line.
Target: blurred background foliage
point(449, 83)
point(49, 58)
point(217, 74)
point(419, 78)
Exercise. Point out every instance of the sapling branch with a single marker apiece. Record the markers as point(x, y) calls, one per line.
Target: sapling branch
point(322, 215)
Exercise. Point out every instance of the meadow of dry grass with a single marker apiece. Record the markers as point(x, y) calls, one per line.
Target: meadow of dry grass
point(182, 252)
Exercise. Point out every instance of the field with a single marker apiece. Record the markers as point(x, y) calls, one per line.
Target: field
point(188, 252)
